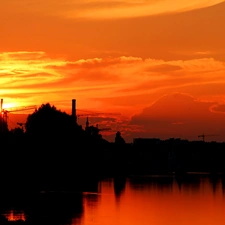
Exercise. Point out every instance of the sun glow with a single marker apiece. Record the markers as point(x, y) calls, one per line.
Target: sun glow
point(9, 105)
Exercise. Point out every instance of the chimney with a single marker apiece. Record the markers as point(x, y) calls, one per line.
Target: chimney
point(74, 110)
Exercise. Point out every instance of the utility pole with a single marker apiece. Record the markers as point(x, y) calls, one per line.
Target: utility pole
point(1, 117)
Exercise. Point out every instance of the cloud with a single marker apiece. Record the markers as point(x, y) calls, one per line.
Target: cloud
point(181, 115)
point(40, 25)
point(127, 9)
point(175, 105)
point(125, 85)
point(22, 55)
point(116, 81)
point(92, 9)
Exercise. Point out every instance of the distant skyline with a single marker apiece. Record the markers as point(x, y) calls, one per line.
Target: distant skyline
point(161, 64)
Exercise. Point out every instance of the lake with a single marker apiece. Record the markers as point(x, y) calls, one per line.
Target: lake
point(160, 200)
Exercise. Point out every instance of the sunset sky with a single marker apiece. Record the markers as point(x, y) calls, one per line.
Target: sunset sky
point(160, 64)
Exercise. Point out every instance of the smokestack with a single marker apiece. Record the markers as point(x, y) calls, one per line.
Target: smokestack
point(74, 110)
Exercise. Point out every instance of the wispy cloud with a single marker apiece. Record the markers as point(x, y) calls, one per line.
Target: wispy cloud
point(127, 8)
point(93, 9)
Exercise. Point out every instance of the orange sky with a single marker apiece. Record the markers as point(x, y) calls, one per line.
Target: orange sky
point(120, 56)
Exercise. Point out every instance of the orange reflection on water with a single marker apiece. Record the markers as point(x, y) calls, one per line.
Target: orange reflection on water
point(194, 202)
point(13, 215)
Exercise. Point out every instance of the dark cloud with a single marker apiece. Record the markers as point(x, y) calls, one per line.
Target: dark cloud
point(180, 115)
point(173, 107)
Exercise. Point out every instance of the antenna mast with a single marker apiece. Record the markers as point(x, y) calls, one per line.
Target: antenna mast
point(1, 116)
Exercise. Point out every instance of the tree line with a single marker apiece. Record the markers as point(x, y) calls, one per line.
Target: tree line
point(54, 151)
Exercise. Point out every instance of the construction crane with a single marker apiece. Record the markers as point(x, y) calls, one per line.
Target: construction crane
point(4, 112)
point(17, 109)
point(206, 135)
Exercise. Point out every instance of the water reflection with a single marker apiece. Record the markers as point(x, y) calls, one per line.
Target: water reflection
point(188, 182)
point(15, 215)
point(90, 203)
point(223, 183)
point(162, 200)
point(58, 208)
point(13, 207)
point(159, 182)
point(119, 186)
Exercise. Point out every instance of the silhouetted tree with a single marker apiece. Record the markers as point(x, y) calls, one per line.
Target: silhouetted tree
point(119, 139)
point(93, 132)
point(48, 120)
point(57, 143)
point(17, 131)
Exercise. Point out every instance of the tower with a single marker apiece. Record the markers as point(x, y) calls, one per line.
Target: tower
point(87, 123)
point(74, 116)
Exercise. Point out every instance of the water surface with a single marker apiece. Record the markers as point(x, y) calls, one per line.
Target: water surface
point(160, 200)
